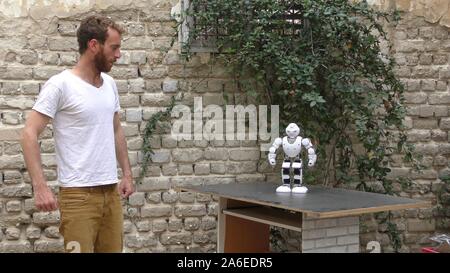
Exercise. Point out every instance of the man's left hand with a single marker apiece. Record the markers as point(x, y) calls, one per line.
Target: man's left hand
point(126, 187)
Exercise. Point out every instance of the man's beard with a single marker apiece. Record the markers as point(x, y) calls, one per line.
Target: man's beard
point(101, 63)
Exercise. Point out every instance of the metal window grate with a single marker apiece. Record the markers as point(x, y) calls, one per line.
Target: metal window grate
point(288, 22)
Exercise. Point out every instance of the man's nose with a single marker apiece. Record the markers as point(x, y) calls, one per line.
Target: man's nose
point(118, 54)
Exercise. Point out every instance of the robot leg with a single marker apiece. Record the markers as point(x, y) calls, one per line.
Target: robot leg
point(285, 168)
point(297, 166)
point(298, 188)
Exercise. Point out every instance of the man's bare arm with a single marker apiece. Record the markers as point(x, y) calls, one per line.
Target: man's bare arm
point(126, 186)
point(35, 124)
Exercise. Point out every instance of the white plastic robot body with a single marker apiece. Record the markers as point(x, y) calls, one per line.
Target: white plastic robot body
point(292, 147)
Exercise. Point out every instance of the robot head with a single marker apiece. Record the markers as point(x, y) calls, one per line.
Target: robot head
point(292, 130)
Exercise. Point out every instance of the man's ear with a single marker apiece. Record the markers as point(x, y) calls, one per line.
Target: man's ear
point(93, 45)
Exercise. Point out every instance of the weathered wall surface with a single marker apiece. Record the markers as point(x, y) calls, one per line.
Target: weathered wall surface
point(37, 40)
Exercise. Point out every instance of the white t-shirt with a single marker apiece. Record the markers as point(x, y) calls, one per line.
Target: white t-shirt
point(83, 128)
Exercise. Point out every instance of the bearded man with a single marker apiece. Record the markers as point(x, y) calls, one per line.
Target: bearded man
point(83, 105)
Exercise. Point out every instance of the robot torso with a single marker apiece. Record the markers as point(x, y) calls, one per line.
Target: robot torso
point(292, 149)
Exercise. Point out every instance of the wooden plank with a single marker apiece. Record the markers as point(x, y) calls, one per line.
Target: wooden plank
point(245, 236)
point(221, 225)
point(270, 216)
point(320, 202)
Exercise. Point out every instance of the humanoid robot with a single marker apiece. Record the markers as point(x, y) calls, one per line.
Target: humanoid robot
point(292, 146)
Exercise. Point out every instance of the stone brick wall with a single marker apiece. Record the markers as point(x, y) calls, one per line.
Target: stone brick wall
point(38, 41)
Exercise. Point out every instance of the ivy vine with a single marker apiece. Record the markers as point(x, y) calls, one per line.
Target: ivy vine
point(155, 120)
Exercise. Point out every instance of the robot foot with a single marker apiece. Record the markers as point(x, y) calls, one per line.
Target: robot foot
point(284, 188)
point(299, 189)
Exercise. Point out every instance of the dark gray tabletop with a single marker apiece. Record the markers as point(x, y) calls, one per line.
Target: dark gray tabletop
point(318, 202)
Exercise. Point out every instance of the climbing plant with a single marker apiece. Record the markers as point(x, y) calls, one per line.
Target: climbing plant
point(323, 63)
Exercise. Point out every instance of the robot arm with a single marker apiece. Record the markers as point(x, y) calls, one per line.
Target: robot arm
point(272, 151)
point(312, 157)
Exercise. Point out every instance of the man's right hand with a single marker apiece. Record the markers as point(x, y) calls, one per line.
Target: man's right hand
point(44, 199)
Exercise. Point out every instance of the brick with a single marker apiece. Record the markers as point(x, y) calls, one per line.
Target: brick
point(45, 72)
point(133, 115)
point(201, 238)
point(348, 240)
point(444, 124)
point(169, 169)
point(175, 225)
point(213, 209)
point(137, 43)
point(144, 226)
point(52, 232)
point(191, 223)
point(156, 210)
point(127, 72)
point(186, 181)
point(159, 225)
point(135, 29)
point(431, 111)
point(244, 154)
point(218, 168)
point(29, 206)
point(185, 169)
point(201, 168)
point(169, 197)
point(28, 57)
point(168, 142)
point(208, 223)
point(154, 197)
point(16, 191)
point(136, 85)
point(426, 72)
point(137, 199)
point(160, 156)
point(416, 97)
point(175, 238)
point(13, 206)
point(416, 225)
point(170, 85)
point(187, 197)
point(314, 234)
point(16, 73)
point(440, 59)
point(249, 178)
point(133, 241)
point(46, 218)
point(15, 247)
point(155, 100)
point(240, 167)
point(33, 232)
point(9, 134)
point(156, 72)
point(348, 221)
point(203, 198)
point(325, 242)
point(439, 98)
point(419, 135)
point(69, 58)
point(12, 233)
point(336, 231)
point(154, 184)
point(190, 210)
point(62, 44)
point(425, 59)
point(353, 248)
point(138, 57)
point(187, 155)
point(425, 123)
